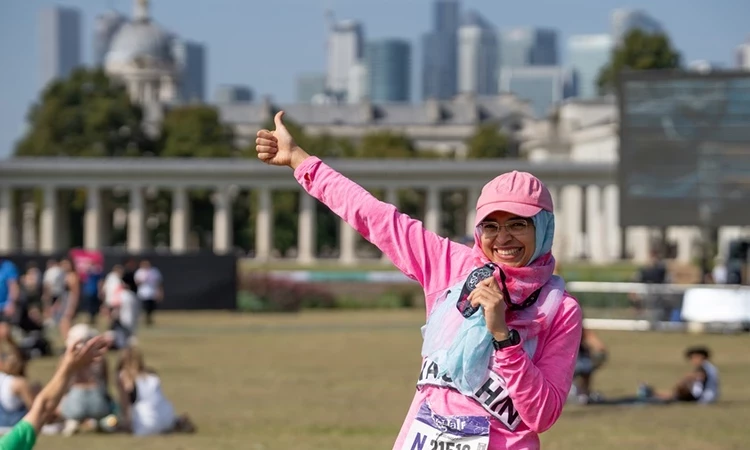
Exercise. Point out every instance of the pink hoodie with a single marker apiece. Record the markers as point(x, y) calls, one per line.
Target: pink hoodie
point(538, 386)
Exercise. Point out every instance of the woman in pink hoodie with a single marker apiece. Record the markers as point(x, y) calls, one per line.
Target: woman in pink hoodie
point(502, 334)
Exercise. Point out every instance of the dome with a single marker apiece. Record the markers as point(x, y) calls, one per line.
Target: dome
point(140, 39)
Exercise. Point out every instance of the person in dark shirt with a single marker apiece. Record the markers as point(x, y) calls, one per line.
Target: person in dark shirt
point(131, 265)
point(91, 288)
point(654, 273)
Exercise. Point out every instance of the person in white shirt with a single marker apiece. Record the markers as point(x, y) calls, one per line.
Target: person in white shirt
point(112, 283)
point(149, 282)
point(145, 408)
point(53, 288)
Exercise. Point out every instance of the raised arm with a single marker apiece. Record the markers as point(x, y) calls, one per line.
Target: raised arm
point(420, 254)
point(46, 402)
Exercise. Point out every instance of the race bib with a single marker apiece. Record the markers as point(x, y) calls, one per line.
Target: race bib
point(432, 431)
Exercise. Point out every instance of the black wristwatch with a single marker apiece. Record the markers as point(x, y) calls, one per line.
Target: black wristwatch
point(513, 339)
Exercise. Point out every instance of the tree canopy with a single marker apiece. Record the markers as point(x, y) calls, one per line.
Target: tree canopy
point(195, 131)
point(86, 114)
point(638, 51)
point(487, 142)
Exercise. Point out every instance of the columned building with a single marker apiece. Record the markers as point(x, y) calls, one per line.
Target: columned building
point(585, 196)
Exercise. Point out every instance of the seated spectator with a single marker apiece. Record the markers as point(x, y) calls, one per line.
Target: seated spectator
point(145, 409)
point(16, 391)
point(592, 354)
point(88, 399)
point(23, 435)
point(31, 287)
point(700, 385)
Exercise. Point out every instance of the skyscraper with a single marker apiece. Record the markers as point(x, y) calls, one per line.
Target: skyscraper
point(520, 47)
point(60, 42)
point(743, 56)
point(358, 88)
point(191, 61)
point(541, 86)
point(440, 52)
point(624, 20)
point(105, 27)
point(477, 56)
point(587, 55)
point(345, 49)
point(228, 94)
point(389, 70)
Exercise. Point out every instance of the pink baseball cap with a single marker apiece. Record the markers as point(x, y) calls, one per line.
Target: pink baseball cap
point(519, 193)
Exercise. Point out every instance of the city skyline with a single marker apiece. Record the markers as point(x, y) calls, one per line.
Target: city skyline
point(303, 50)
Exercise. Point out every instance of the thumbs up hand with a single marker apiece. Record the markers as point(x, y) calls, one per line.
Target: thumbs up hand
point(277, 148)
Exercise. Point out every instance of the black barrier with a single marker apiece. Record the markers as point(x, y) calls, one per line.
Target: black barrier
point(197, 281)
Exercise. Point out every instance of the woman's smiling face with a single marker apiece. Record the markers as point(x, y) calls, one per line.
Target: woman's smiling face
point(507, 239)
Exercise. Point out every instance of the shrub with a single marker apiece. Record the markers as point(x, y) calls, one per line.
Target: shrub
point(263, 292)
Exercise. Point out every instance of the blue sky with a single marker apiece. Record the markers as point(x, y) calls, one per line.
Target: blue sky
point(266, 43)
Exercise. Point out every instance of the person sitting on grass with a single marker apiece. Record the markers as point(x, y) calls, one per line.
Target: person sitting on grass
point(24, 433)
point(88, 400)
point(16, 392)
point(592, 354)
point(145, 408)
point(700, 385)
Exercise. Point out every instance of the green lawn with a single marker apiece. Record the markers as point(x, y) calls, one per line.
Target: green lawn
point(343, 380)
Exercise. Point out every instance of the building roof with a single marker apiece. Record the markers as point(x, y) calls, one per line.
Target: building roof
point(456, 112)
point(140, 39)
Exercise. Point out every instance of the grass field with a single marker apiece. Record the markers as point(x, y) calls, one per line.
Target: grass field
point(343, 380)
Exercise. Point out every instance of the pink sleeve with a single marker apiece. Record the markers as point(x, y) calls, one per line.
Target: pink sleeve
point(420, 254)
point(539, 391)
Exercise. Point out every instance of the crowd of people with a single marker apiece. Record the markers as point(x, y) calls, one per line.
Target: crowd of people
point(35, 304)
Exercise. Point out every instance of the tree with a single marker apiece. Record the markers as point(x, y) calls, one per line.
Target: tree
point(195, 131)
point(639, 51)
point(87, 114)
point(385, 144)
point(487, 142)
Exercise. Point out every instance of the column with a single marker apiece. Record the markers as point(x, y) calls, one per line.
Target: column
point(136, 221)
point(93, 218)
point(638, 242)
point(264, 225)
point(391, 197)
point(612, 230)
point(432, 215)
point(472, 194)
point(685, 239)
point(347, 243)
point(7, 221)
point(307, 229)
point(223, 237)
point(595, 239)
point(558, 243)
point(573, 237)
point(29, 241)
point(49, 240)
point(179, 224)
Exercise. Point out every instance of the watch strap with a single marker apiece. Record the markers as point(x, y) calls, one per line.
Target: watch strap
point(513, 339)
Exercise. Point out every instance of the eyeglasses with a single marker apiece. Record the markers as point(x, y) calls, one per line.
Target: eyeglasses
point(490, 230)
